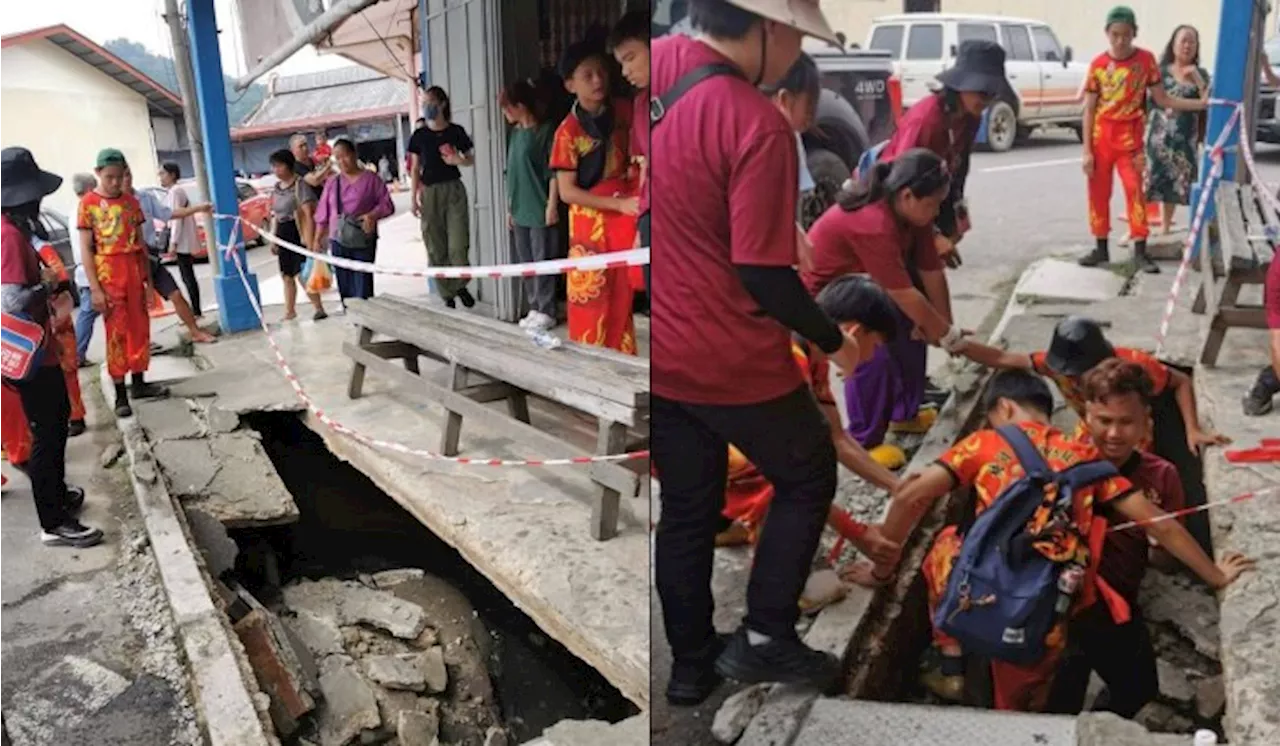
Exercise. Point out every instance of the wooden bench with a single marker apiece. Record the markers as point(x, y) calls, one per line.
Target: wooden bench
point(492, 361)
point(1243, 220)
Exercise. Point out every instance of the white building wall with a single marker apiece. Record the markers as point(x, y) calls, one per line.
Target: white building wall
point(1077, 23)
point(64, 111)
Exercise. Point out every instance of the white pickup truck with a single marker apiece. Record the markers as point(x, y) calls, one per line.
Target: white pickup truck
point(1045, 84)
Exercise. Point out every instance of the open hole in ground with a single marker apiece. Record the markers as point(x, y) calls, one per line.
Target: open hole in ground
point(503, 670)
point(1180, 613)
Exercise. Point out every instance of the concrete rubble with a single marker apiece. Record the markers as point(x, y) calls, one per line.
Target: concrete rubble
point(351, 603)
point(384, 676)
point(406, 671)
point(736, 713)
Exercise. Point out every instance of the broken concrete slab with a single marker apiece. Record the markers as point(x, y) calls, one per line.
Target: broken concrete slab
point(1187, 605)
point(1058, 280)
point(168, 419)
point(417, 728)
point(391, 703)
point(434, 671)
point(277, 670)
point(407, 671)
point(188, 466)
point(496, 736)
point(320, 635)
point(349, 702)
point(220, 420)
point(346, 603)
point(246, 491)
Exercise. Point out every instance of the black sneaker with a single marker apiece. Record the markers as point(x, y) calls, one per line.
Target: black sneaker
point(1144, 263)
point(450, 303)
point(785, 661)
point(123, 410)
point(74, 499)
point(467, 299)
point(147, 390)
point(1258, 402)
point(75, 427)
point(72, 534)
point(320, 315)
point(693, 679)
point(1094, 258)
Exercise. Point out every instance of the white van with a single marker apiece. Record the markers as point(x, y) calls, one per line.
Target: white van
point(1045, 84)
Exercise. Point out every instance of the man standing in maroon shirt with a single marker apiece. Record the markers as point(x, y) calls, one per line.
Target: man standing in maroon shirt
point(1118, 418)
point(725, 303)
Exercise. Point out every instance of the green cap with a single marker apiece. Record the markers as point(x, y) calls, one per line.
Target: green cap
point(1122, 14)
point(111, 157)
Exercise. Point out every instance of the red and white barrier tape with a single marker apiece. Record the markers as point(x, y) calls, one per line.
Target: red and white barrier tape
point(1206, 194)
point(612, 260)
point(1270, 492)
point(390, 445)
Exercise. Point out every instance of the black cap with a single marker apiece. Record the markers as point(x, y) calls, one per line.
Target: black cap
point(1078, 345)
point(21, 180)
point(979, 68)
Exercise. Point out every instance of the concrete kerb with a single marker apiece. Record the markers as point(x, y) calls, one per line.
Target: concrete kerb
point(224, 697)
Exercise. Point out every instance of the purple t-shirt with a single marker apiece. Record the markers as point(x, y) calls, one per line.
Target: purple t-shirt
point(364, 194)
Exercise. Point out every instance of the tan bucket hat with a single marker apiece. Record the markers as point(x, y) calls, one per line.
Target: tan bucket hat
point(803, 15)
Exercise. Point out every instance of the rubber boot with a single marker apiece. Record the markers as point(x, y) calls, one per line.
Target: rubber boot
point(1101, 254)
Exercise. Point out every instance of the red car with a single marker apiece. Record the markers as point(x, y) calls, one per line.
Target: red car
point(255, 212)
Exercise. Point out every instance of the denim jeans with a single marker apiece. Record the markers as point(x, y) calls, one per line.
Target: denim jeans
point(85, 319)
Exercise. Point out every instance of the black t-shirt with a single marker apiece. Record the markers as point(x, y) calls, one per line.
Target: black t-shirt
point(426, 143)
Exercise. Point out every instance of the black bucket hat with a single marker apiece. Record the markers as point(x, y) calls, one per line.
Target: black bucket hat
point(1078, 345)
point(21, 180)
point(979, 68)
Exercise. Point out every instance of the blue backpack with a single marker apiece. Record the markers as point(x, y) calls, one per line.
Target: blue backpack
point(1001, 595)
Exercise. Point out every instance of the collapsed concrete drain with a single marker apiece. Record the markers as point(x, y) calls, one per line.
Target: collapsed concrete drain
point(397, 621)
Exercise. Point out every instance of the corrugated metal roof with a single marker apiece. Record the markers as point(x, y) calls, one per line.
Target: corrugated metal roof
point(341, 94)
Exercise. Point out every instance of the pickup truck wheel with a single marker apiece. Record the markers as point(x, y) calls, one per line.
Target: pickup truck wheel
point(1002, 127)
point(1078, 129)
point(829, 172)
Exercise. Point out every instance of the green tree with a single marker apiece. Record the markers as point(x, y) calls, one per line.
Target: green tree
point(161, 70)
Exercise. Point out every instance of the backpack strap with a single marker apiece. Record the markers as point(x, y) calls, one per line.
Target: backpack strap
point(659, 106)
point(1090, 472)
point(1028, 455)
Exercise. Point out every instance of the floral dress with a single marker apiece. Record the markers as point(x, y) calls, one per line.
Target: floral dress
point(1172, 139)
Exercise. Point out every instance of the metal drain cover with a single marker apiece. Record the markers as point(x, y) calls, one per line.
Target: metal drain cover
point(832, 722)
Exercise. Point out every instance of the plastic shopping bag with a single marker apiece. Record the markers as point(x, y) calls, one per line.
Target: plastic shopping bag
point(316, 276)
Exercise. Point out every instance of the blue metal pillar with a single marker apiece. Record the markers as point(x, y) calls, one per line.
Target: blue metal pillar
point(235, 313)
point(1230, 83)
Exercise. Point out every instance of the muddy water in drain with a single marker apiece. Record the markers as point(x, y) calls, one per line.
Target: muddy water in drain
point(349, 526)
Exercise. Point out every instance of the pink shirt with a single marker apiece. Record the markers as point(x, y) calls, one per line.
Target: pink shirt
point(364, 194)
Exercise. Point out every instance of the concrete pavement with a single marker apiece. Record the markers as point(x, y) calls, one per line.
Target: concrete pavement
point(90, 655)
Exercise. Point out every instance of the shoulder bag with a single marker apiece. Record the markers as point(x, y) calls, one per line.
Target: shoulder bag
point(350, 232)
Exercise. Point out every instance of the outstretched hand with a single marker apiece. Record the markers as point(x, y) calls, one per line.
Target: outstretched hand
point(1197, 440)
point(1233, 565)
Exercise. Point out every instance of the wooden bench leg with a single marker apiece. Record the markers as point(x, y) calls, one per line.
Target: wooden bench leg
point(453, 424)
point(355, 387)
point(411, 364)
point(518, 405)
point(1213, 342)
point(612, 439)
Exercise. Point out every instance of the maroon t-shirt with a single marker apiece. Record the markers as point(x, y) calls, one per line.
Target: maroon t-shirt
point(869, 241)
point(927, 125)
point(1272, 298)
point(724, 175)
point(1126, 553)
point(640, 140)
